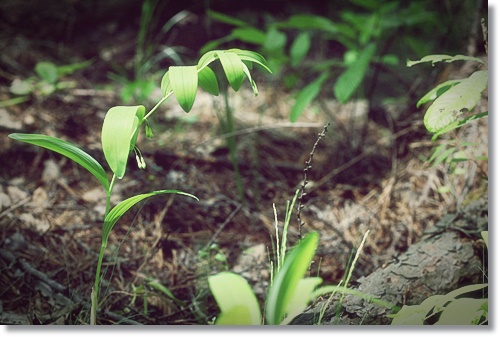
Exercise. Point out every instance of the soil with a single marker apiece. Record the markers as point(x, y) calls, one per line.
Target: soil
point(366, 174)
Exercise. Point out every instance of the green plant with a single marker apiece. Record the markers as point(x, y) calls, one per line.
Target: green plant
point(458, 307)
point(122, 125)
point(364, 32)
point(150, 50)
point(453, 99)
point(48, 79)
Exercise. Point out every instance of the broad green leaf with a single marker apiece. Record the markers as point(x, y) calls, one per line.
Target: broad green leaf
point(115, 214)
point(208, 81)
point(306, 96)
point(443, 58)
point(184, 82)
point(465, 289)
point(409, 315)
point(274, 42)
point(302, 296)
point(206, 59)
point(252, 82)
point(447, 107)
point(300, 48)
point(226, 19)
point(47, 71)
point(68, 150)
point(459, 123)
point(233, 68)
point(119, 134)
point(349, 81)
point(437, 91)
point(236, 300)
point(246, 55)
point(463, 311)
point(165, 86)
point(285, 284)
point(22, 87)
point(249, 35)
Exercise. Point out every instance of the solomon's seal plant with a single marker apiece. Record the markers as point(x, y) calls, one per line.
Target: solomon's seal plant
point(122, 125)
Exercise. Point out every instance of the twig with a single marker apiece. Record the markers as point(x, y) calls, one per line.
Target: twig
point(308, 166)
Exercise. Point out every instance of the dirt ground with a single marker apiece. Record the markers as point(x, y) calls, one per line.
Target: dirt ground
point(51, 210)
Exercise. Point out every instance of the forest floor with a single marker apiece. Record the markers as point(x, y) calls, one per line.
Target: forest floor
point(365, 176)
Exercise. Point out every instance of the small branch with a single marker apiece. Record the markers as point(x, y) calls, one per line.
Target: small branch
point(302, 188)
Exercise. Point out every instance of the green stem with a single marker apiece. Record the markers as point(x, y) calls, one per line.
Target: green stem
point(158, 104)
point(104, 243)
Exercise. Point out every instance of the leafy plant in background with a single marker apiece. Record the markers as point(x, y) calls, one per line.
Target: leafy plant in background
point(150, 50)
point(458, 307)
point(122, 125)
point(365, 33)
point(48, 79)
point(452, 105)
point(289, 292)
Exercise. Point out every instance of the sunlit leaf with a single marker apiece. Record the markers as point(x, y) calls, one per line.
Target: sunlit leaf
point(119, 133)
point(68, 150)
point(349, 81)
point(447, 108)
point(443, 58)
point(208, 81)
point(459, 123)
point(235, 299)
point(284, 286)
point(184, 82)
point(246, 55)
point(233, 68)
point(437, 91)
point(166, 87)
point(115, 214)
point(306, 96)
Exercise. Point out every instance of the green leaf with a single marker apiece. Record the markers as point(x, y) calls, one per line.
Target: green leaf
point(208, 81)
point(246, 55)
point(236, 300)
point(437, 91)
point(299, 48)
point(249, 35)
point(306, 96)
point(115, 214)
point(304, 294)
point(47, 71)
point(446, 108)
point(206, 59)
point(484, 235)
point(165, 86)
point(443, 58)
point(226, 19)
point(71, 68)
point(119, 134)
point(309, 21)
point(349, 81)
point(459, 123)
point(463, 311)
point(184, 82)
point(233, 68)
point(155, 284)
point(285, 284)
point(68, 150)
point(275, 42)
